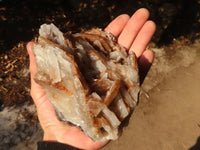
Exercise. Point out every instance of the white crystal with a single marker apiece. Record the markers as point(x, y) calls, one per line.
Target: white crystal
point(89, 78)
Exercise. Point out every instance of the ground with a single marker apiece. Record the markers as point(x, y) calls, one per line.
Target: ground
point(167, 116)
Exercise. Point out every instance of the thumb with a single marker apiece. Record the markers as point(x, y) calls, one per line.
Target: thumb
point(37, 91)
point(33, 66)
point(45, 109)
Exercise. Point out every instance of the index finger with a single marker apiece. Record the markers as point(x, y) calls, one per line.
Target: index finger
point(117, 25)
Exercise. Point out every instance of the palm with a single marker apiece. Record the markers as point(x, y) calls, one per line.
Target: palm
point(134, 34)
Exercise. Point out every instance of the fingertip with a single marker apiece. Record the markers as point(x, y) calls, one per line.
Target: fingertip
point(33, 65)
point(117, 25)
point(143, 13)
point(124, 17)
point(152, 25)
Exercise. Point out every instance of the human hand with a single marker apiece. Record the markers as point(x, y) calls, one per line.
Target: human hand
point(134, 34)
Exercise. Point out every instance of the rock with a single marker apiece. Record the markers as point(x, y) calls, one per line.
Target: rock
point(91, 80)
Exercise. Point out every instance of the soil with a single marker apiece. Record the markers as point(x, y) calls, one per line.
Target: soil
point(167, 116)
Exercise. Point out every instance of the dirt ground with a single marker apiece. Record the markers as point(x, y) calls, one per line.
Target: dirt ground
point(167, 116)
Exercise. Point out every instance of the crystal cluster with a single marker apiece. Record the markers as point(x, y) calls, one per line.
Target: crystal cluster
point(90, 79)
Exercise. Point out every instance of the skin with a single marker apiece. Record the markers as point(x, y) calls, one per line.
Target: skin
point(133, 33)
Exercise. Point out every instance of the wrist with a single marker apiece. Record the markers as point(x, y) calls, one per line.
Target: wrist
point(49, 137)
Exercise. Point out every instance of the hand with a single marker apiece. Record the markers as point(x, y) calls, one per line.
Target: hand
point(134, 34)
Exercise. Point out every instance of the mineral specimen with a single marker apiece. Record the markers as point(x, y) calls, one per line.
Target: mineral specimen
point(90, 79)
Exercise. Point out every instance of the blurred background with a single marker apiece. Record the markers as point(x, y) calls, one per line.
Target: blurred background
point(20, 19)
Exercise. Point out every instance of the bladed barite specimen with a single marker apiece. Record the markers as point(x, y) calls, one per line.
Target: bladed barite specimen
point(91, 80)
